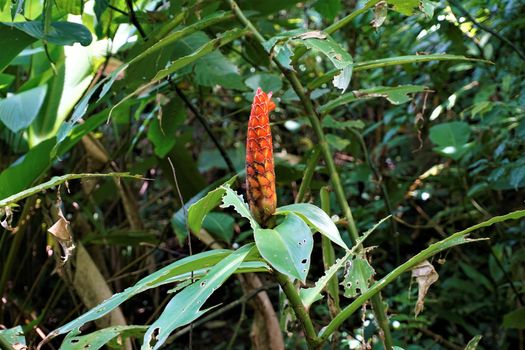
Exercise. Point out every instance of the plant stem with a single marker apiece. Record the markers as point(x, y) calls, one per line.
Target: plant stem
point(323, 144)
point(307, 176)
point(329, 259)
point(298, 308)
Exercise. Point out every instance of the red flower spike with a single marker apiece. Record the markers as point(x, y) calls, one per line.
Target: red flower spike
point(260, 175)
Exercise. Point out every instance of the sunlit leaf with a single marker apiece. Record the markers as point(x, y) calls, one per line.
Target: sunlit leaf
point(18, 111)
point(287, 247)
point(61, 33)
point(96, 340)
point(316, 218)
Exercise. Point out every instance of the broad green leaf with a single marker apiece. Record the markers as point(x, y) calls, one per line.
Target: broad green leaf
point(331, 123)
point(23, 172)
point(6, 80)
point(18, 111)
point(61, 33)
point(96, 340)
point(12, 42)
point(201, 205)
point(316, 218)
point(14, 337)
point(357, 277)
point(451, 138)
point(395, 95)
point(219, 225)
point(185, 306)
point(405, 7)
point(287, 247)
point(173, 272)
point(428, 7)
point(340, 58)
point(55, 181)
point(231, 198)
point(515, 319)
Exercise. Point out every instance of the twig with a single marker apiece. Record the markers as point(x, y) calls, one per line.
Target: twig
point(134, 20)
point(486, 29)
point(204, 123)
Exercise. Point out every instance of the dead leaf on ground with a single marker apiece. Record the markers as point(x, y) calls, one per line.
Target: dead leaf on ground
point(425, 275)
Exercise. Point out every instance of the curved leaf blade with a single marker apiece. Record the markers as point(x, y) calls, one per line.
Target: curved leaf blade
point(317, 218)
point(185, 306)
point(61, 33)
point(231, 198)
point(287, 247)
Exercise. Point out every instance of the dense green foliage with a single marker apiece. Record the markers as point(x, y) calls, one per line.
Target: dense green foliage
point(408, 110)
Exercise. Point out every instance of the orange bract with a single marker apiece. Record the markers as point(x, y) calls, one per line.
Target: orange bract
point(260, 175)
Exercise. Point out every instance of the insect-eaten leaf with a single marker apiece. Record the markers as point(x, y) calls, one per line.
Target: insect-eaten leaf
point(357, 276)
point(61, 231)
point(287, 247)
point(425, 275)
point(233, 199)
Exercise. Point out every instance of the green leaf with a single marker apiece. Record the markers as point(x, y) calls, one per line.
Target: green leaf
point(12, 43)
point(267, 82)
point(516, 176)
point(337, 142)
point(185, 306)
point(451, 138)
point(357, 277)
point(13, 337)
point(220, 225)
point(23, 172)
point(6, 80)
point(515, 319)
point(395, 95)
point(18, 111)
point(428, 7)
point(329, 9)
point(231, 198)
point(405, 7)
point(331, 123)
point(287, 247)
point(202, 206)
point(340, 58)
point(316, 218)
point(61, 33)
point(176, 271)
point(97, 339)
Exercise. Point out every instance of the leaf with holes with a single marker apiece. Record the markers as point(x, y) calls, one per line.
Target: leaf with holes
point(13, 337)
point(316, 218)
point(357, 277)
point(287, 247)
point(232, 199)
point(185, 306)
point(113, 336)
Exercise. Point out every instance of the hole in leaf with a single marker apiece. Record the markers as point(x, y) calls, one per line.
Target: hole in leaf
point(304, 261)
point(74, 340)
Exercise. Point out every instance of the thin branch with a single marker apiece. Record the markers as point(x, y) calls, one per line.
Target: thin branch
point(134, 20)
point(483, 27)
point(204, 123)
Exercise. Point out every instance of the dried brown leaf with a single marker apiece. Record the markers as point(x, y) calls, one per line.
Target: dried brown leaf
point(425, 275)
